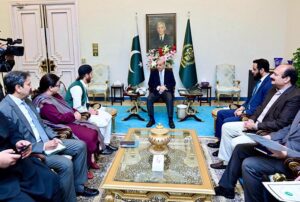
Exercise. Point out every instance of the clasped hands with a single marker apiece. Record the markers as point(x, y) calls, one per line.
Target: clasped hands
point(161, 89)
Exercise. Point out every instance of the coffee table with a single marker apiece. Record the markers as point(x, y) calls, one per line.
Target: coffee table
point(185, 176)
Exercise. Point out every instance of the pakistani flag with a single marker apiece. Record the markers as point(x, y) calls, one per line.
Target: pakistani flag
point(187, 71)
point(136, 71)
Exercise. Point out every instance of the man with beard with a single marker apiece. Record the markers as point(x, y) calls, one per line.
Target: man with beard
point(277, 111)
point(260, 71)
point(77, 97)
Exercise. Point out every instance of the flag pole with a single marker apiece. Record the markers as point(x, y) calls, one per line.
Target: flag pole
point(136, 22)
point(137, 31)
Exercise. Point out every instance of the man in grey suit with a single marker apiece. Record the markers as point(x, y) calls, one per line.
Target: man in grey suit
point(252, 165)
point(24, 117)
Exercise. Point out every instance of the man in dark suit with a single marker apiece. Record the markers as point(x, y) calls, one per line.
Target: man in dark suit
point(161, 38)
point(253, 165)
point(260, 71)
point(161, 85)
point(277, 111)
point(23, 178)
point(16, 107)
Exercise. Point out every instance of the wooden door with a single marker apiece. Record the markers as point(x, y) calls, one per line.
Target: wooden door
point(50, 39)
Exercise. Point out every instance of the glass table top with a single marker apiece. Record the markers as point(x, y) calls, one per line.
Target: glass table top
point(181, 165)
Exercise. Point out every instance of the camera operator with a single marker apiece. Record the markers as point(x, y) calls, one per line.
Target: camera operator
point(7, 53)
point(6, 61)
point(6, 64)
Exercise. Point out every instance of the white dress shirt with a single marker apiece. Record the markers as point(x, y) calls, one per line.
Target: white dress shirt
point(27, 116)
point(76, 93)
point(269, 105)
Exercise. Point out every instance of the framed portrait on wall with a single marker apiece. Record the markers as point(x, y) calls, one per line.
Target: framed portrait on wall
point(160, 30)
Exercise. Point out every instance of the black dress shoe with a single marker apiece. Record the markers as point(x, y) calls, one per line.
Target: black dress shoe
point(215, 153)
point(227, 193)
point(113, 148)
point(219, 165)
point(106, 151)
point(171, 124)
point(88, 192)
point(214, 144)
point(150, 123)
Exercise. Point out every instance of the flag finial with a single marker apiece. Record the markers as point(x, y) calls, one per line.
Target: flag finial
point(189, 14)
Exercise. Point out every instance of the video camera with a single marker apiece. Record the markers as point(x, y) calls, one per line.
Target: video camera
point(9, 49)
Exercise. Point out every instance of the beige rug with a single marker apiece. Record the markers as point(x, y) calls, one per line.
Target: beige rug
point(105, 162)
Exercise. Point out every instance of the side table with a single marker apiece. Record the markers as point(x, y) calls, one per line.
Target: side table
point(207, 97)
point(113, 112)
point(134, 110)
point(117, 93)
point(190, 96)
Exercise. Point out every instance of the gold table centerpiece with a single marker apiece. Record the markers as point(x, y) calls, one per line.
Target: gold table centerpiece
point(159, 138)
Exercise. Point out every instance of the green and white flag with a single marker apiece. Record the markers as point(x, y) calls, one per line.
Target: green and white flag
point(187, 71)
point(136, 70)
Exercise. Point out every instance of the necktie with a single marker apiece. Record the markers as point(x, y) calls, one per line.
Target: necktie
point(37, 124)
point(161, 78)
point(256, 87)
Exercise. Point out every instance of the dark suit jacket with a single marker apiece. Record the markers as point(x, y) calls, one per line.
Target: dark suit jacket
point(11, 111)
point(282, 112)
point(254, 101)
point(25, 175)
point(157, 43)
point(154, 81)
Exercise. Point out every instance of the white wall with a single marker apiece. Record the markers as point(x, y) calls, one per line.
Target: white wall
point(293, 28)
point(224, 31)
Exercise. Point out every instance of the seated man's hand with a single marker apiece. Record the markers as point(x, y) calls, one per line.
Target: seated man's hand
point(267, 136)
point(57, 140)
point(249, 125)
point(93, 112)
point(298, 178)
point(239, 111)
point(20, 145)
point(279, 154)
point(52, 144)
point(162, 89)
point(8, 158)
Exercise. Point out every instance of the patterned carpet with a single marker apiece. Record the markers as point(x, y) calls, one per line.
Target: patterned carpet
point(105, 162)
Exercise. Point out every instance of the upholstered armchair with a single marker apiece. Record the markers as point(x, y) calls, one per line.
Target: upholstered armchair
point(99, 84)
point(226, 83)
